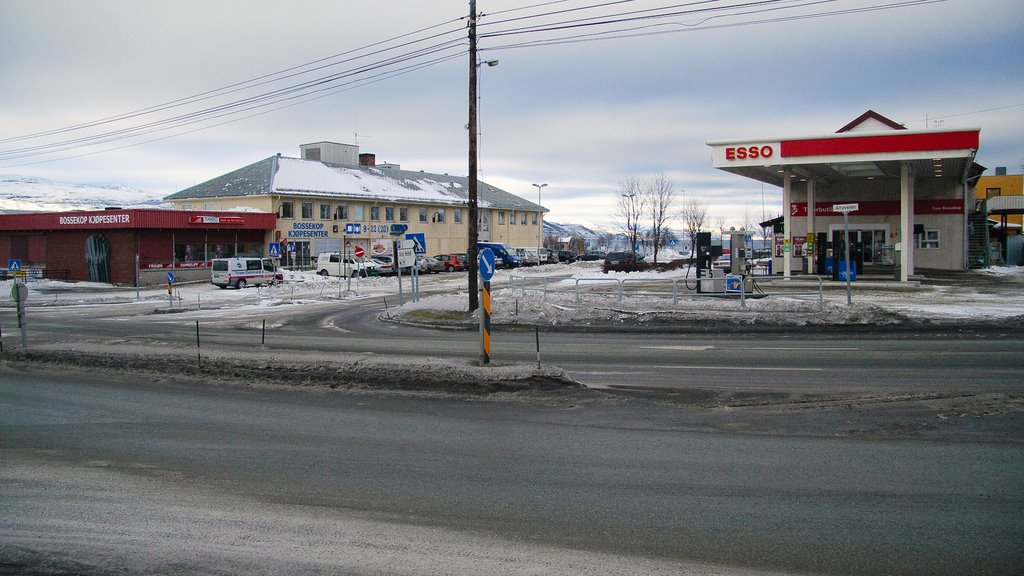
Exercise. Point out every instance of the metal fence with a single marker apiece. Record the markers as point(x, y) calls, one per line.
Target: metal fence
point(677, 291)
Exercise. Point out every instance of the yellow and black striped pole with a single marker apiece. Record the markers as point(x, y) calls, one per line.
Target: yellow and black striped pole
point(485, 324)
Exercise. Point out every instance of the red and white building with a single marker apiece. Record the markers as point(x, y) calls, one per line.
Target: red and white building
point(913, 190)
point(125, 246)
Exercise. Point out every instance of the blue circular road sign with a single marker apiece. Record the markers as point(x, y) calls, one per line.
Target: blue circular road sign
point(486, 264)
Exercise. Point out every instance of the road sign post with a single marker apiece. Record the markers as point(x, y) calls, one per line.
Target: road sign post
point(846, 209)
point(486, 269)
point(19, 293)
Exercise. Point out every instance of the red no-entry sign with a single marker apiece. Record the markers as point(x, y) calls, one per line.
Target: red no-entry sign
point(359, 252)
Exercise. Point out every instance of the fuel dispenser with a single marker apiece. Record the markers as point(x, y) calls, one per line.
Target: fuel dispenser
point(704, 257)
point(738, 253)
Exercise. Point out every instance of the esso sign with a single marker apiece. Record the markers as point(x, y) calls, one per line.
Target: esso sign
point(749, 152)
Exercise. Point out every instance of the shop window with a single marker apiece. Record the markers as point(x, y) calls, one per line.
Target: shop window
point(325, 211)
point(374, 213)
point(458, 216)
point(307, 210)
point(403, 214)
point(287, 210)
point(929, 240)
point(341, 213)
point(189, 252)
point(423, 215)
point(389, 214)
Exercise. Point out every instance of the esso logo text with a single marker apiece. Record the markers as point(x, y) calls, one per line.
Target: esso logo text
point(749, 152)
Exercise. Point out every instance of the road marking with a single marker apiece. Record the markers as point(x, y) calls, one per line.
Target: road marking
point(690, 348)
point(772, 348)
point(746, 368)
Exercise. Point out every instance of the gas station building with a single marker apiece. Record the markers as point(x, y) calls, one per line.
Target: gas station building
point(913, 191)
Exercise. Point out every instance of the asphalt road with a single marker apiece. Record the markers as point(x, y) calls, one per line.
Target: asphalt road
point(107, 475)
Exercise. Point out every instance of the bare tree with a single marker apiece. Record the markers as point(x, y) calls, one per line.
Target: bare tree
point(695, 215)
point(660, 199)
point(629, 207)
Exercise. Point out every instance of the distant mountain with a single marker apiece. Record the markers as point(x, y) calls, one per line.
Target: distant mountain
point(29, 194)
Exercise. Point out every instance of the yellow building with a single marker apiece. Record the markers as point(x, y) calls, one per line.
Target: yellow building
point(334, 199)
point(1002, 184)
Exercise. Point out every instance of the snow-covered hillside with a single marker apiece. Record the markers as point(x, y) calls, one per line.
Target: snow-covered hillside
point(28, 194)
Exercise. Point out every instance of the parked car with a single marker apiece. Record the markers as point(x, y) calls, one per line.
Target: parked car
point(452, 262)
point(723, 262)
point(566, 256)
point(429, 265)
point(591, 255)
point(529, 256)
point(332, 264)
point(619, 258)
point(385, 264)
point(550, 257)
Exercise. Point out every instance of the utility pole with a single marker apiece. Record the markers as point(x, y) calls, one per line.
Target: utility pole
point(471, 249)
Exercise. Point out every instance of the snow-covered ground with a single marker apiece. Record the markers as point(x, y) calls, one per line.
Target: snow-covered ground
point(580, 294)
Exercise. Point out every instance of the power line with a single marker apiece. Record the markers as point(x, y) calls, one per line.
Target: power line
point(416, 56)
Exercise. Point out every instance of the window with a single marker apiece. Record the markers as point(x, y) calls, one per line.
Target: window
point(929, 240)
point(439, 216)
point(359, 212)
point(389, 213)
point(186, 207)
point(501, 218)
point(342, 212)
point(533, 218)
point(403, 214)
point(287, 210)
point(325, 211)
point(375, 213)
point(307, 209)
point(512, 218)
point(209, 206)
point(423, 214)
point(993, 192)
point(458, 215)
point(522, 219)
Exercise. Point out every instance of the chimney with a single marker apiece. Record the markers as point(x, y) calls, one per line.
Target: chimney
point(1000, 170)
point(368, 160)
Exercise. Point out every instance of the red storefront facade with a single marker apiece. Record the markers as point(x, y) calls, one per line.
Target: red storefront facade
point(125, 246)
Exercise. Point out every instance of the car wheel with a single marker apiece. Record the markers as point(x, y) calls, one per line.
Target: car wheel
point(240, 284)
point(324, 273)
point(221, 286)
point(451, 268)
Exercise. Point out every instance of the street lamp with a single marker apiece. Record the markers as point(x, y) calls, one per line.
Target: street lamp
point(540, 222)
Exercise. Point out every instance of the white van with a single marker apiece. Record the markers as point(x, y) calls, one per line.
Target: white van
point(240, 272)
point(332, 264)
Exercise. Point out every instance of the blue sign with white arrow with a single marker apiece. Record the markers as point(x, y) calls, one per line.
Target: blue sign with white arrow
point(486, 264)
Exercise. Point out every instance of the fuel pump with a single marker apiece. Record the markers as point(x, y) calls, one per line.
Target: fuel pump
point(704, 257)
point(738, 255)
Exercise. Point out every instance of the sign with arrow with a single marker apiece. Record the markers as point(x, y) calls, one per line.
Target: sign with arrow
point(486, 264)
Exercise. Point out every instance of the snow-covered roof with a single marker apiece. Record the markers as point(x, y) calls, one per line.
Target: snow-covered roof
point(282, 175)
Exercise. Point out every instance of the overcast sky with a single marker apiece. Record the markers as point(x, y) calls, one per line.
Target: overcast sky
point(578, 115)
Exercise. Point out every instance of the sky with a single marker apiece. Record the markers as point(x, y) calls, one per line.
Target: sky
point(634, 99)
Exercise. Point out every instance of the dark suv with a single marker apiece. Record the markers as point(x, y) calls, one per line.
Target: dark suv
point(566, 256)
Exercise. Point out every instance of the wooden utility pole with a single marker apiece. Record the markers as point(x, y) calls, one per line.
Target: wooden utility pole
point(471, 249)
